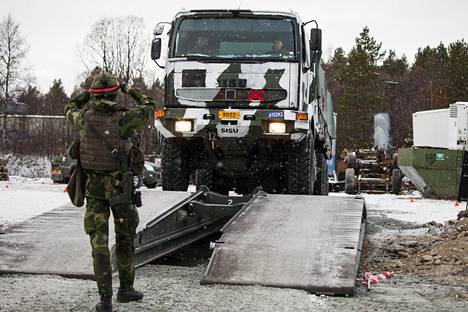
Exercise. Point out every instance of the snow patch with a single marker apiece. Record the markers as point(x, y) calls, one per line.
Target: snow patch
point(22, 199)
point(28, 166)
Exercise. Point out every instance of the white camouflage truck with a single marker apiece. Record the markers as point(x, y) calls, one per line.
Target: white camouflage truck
point(245, 104)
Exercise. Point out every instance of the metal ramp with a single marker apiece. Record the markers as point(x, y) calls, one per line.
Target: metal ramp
point(55, 242)
point(294, 241)
point(195, 217)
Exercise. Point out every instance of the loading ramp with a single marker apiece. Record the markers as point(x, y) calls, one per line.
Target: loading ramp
point(294, 241)
point(55, 242)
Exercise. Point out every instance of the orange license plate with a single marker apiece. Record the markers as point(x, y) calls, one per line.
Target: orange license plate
point(228, 115)
point(56, 171)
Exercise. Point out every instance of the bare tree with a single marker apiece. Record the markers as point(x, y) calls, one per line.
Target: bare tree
point(117, 45)
point(12, 52)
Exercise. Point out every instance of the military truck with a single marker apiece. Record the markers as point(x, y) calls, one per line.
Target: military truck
point(245, 102)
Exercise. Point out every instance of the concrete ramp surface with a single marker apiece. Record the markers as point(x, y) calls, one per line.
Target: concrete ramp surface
point(55, 242)
point(294, 241)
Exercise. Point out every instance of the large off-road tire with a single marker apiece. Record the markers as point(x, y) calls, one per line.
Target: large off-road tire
point(321, 183)
point(209, 178)
point(174, 171)
point(350, 185)
point(396, 181)
point(151, 185)
point(204, 177)
point(301, 167)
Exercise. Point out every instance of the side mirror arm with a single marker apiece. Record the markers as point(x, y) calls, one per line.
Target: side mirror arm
point(160, 66)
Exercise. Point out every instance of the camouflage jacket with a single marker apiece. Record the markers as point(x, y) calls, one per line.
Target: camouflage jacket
point(100, 184)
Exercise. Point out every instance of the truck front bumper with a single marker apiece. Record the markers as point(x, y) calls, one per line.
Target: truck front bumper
point(232, 123)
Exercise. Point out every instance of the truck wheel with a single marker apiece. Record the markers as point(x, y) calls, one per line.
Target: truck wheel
point(396, 181)
point(349, 181)
point(174, 172)
point(351, 161)
point(151, 185)
point(301, 167)
point(321, 183)
point(204, 177)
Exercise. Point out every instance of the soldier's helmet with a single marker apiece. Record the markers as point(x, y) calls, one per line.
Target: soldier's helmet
point(104, 86)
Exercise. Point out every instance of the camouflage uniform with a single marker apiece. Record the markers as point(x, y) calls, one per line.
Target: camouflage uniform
point(100, 187)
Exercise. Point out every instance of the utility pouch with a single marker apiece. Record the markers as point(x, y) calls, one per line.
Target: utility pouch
point(137, 160)
point(137, 199)
point(74, 150)
point(76, 185)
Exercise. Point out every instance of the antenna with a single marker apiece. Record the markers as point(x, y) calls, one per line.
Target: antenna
point(240, 4)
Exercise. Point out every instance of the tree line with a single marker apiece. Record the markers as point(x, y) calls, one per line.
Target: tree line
point(114, 45)
point(363, 81)
point(368, 80)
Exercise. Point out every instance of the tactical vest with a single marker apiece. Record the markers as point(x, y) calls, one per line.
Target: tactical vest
point(101, 137)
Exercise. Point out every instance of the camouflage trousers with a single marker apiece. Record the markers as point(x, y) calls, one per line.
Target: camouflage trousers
point(96, 224)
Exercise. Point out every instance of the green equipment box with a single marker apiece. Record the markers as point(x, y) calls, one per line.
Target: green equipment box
point(437, 173)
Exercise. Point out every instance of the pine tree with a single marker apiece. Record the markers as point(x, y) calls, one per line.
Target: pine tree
point(456, 72)
point(362, 93)
point(55, 99)
point(394, 66)
point(33, 98)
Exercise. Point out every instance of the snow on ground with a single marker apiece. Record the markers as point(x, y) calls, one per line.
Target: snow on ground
point(417, 210)
point(411, 208)
point(24, 198)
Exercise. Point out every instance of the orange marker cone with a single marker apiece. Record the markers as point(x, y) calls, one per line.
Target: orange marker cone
point(66, 189)
point(457, 204)
point(411, 200)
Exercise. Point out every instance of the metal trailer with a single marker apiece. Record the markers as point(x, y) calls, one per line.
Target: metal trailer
point(372, 171)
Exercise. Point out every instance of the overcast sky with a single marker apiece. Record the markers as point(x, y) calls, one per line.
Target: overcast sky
point(54, 29)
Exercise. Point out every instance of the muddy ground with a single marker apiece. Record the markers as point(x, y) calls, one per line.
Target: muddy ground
point(428, 260)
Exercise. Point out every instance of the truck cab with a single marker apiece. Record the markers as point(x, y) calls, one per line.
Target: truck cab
point(245, 101)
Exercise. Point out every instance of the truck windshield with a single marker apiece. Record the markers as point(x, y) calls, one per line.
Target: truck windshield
point(235, 38)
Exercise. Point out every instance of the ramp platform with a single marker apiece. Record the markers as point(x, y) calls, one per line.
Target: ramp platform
point(55, 242)
point(293, 241)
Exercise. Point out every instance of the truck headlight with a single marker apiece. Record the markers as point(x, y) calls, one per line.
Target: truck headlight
point(277, 127)
point(183, 126)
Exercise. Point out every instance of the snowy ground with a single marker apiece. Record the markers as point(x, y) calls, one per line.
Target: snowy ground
point(24, 198)
point(175, 288)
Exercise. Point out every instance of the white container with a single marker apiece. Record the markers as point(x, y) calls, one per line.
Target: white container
point(434, 128)
point(459, 111)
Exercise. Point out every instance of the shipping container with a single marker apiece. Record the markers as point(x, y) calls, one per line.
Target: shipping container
point(434, 128)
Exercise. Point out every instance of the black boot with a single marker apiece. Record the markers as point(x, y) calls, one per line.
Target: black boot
point(105, 305)
point(127, 294)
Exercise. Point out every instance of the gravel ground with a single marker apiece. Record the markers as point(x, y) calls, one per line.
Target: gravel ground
point(171, 288)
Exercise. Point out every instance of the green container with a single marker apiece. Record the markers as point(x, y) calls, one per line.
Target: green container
point(435, 172)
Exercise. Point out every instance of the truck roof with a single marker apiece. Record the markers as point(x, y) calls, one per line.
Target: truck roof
point(239, 12)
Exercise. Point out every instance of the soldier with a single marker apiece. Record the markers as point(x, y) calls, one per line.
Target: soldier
point(104, 128)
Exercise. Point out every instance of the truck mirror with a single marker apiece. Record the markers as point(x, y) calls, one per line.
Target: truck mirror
point(156, 49)
point(315, 39)
point(159, 29)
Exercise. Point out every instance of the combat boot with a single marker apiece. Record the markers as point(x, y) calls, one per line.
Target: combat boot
point(105, 305)
point(127, 294)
